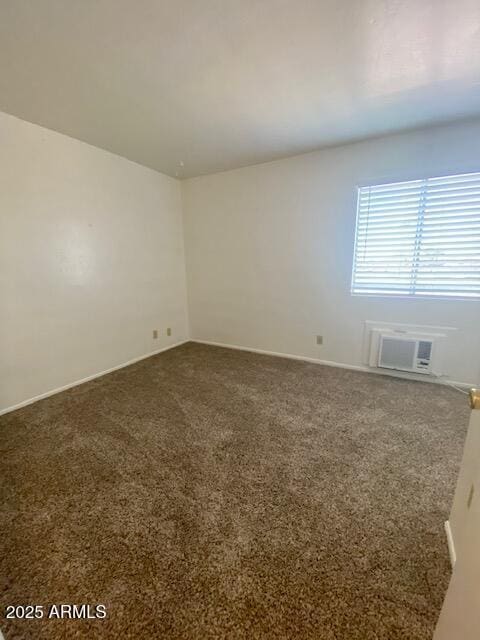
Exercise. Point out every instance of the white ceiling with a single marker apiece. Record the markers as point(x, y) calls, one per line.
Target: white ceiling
point(217, 84)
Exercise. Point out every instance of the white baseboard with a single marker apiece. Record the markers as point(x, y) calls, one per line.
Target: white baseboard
point(450, 543)
point(52, 392)
point(341, 365)
point(279, 354)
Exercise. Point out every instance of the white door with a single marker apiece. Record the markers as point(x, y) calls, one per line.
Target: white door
point(460, 615)
point(466, 484)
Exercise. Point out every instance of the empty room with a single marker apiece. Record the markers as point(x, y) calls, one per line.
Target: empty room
point(239, 319)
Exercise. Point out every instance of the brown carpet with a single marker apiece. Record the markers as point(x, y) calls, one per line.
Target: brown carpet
point(209, 493)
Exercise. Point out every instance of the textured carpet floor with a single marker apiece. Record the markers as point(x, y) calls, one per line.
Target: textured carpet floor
point(209, 493)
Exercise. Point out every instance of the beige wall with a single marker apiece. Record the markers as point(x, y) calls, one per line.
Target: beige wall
point(269, 250)
point(91, 261)
point(92, 258)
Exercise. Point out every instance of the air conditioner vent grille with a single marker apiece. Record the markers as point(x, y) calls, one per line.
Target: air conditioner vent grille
point(424, 350)
point(397, 354)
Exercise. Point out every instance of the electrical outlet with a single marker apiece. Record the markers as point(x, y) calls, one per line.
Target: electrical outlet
point(155, 334)
point(169, 331)
point(319, 339)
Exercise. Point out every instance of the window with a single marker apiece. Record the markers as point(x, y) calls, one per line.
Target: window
point(419, 238)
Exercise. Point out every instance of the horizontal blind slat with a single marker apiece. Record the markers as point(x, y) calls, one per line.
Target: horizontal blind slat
point(419, 238)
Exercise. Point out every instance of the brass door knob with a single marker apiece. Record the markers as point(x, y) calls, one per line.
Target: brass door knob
point(475, 398)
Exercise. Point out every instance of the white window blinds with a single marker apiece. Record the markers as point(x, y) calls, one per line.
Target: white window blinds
point(419, 238)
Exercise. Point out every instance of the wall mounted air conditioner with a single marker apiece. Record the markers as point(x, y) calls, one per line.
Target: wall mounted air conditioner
point(426, 355)
point(403, 352)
